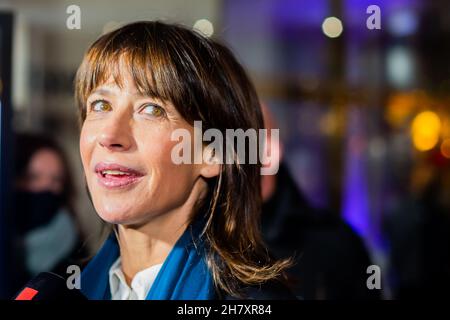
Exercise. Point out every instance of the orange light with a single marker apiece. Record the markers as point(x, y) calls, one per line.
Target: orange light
point(445, 148)
point(425, 130)
point(399, 107)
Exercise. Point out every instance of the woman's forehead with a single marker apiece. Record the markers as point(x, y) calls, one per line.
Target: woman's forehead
point(112, 69)
point(112, 86)
point(121, 82)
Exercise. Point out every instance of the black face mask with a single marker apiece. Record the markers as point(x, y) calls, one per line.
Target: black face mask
point(35, 209)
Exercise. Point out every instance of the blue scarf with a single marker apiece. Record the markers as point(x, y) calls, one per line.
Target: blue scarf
point(184, 274)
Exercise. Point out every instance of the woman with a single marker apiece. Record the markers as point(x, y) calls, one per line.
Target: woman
point(182, 231)
point(46, 230)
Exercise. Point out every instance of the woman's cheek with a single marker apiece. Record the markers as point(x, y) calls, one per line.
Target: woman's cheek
point(87, 142)
point(170, 173)
point(157, 144)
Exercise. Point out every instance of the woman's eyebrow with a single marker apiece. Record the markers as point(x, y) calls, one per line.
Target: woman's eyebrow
point(111, 92)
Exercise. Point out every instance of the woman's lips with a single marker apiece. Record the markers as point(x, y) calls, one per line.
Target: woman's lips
point(113, 176)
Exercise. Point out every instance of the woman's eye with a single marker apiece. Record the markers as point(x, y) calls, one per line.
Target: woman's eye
point(101, 106)
point(153, 110)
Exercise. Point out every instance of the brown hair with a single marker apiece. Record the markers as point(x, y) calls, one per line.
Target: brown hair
point(204, 82)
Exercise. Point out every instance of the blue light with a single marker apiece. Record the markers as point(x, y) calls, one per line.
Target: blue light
point(403, 23)
point(355, 193)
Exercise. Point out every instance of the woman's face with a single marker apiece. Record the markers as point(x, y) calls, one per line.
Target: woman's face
point(125, 147)
point(45, 172)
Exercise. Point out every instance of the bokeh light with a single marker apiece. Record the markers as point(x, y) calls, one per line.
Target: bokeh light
point(425, 130)
point(332, 27)
point(204, 26)
point(445, 148)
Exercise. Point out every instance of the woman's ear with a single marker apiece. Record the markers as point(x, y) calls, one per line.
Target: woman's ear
point(211, 165)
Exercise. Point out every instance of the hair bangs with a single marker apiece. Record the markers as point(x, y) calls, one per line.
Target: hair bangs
point(152, 69)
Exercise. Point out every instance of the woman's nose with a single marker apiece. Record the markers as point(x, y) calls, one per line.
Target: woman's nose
point(116, 135)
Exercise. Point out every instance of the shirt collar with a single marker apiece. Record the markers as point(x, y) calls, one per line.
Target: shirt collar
point(140, 285)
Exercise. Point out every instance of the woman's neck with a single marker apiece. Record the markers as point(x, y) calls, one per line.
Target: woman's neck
point(143, 248)
point(148, 244)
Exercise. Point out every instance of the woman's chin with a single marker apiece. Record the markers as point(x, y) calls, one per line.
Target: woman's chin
point(116, 215)
point(113, 218)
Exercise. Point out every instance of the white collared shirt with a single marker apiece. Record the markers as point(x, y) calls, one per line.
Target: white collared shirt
point(140, 285)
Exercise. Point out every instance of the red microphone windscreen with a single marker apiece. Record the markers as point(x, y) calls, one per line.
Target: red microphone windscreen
point(27, 294)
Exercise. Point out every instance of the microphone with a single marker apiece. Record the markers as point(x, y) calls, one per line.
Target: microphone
point(49, 286)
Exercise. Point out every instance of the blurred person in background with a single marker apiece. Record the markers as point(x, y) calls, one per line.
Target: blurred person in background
point(418, 229)
point(330, 258)
point(47, 234)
